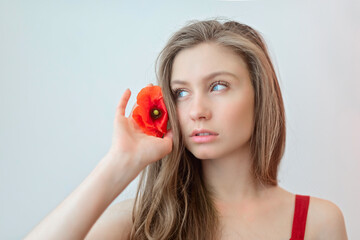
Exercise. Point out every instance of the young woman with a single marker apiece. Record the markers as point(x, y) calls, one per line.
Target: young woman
point(214, 174)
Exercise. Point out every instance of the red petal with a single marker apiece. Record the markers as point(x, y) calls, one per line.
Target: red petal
point(148, 99)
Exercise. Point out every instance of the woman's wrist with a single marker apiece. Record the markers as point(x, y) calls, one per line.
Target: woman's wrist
point(119, 170)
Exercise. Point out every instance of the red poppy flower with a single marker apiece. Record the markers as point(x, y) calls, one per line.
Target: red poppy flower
point(151, 114)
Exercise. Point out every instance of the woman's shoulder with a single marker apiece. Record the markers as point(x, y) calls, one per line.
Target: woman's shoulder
point(325, 220)
point(114, 223)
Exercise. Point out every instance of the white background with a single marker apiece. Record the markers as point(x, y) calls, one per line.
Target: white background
point(65, 64)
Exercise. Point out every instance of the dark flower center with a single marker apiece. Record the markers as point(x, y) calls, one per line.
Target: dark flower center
point(155, 113)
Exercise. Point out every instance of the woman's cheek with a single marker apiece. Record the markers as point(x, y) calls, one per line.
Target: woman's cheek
point(181, 116)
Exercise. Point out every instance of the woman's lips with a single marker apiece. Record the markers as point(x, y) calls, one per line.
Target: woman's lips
point(202, 131)
point(204, 138)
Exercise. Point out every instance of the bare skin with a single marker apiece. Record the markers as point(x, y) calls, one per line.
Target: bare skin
point(272, 217)
point(269, 218)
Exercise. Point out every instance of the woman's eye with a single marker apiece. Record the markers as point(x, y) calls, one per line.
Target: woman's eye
point(179, 93)
point(219, 84)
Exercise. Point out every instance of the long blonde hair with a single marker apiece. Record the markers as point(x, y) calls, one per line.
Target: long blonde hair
point(172, 200)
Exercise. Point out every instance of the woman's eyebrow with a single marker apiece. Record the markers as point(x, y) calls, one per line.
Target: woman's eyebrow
point(212, 75)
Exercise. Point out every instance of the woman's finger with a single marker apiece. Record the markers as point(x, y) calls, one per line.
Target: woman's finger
point(132, 110)
point(123, 102)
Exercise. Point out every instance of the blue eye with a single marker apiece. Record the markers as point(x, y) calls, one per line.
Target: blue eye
point(179, 93)
point(219, 84)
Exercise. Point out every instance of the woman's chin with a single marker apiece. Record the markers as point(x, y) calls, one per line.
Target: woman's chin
point(204, 155)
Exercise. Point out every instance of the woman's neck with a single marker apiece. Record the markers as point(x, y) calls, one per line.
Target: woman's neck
point(230, 177)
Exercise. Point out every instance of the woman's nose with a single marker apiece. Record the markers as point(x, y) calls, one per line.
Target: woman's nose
point(200, 109)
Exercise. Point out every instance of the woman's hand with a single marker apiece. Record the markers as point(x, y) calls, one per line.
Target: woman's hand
point(130, 152)
point(129, 139)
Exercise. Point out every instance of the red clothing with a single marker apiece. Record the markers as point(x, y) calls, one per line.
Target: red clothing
point(300, 215)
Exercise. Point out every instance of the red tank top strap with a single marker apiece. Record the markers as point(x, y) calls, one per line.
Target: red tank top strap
point(300, 215)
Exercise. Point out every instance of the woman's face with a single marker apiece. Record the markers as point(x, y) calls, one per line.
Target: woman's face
point(219, 105)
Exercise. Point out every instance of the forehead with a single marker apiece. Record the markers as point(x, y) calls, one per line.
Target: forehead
point(206, 58)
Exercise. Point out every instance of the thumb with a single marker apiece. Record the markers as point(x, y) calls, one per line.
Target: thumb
point(165, 144)
point(169, 134)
